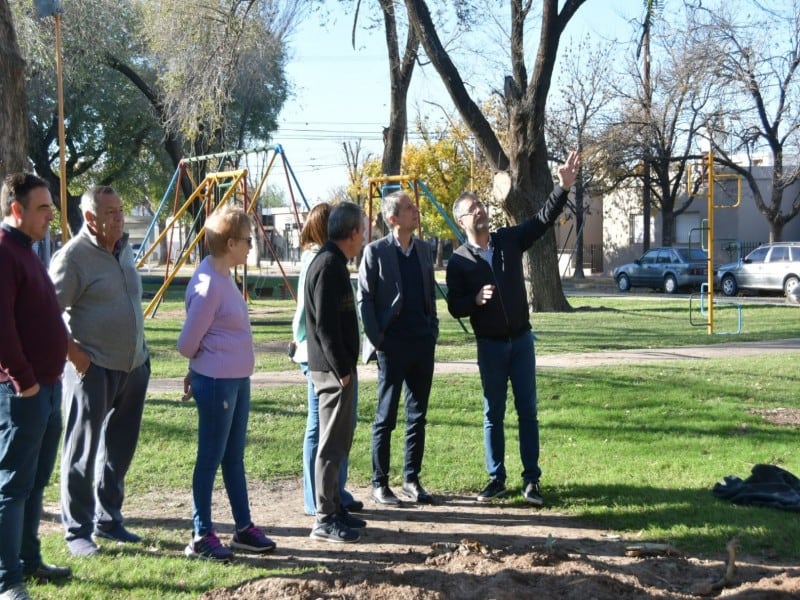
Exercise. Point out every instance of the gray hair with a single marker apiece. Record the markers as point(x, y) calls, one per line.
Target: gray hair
point(457, 214)
point(390, 207)
point(345, 217)
point(89, 198)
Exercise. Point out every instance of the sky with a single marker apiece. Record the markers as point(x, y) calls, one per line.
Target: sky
point(342, 94)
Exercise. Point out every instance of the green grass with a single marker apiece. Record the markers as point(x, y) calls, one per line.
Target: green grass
point(596, 324)
point(633, 449)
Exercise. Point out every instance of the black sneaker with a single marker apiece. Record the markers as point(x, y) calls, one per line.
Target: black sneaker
point(494, 489)
point(252, 539)
point(44, 572)
point(117, 532)
point(352, 521)
point(334, 531)
point(532, 494)
point(355, 506)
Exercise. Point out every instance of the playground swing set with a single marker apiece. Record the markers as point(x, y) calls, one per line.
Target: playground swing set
point(216, 189)
point(218, 180)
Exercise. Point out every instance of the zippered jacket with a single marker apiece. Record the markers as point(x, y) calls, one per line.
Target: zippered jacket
point(506, 315)
point(100, 293)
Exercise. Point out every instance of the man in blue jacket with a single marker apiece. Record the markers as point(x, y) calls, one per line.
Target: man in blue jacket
point(397, 302)
point(485, 283)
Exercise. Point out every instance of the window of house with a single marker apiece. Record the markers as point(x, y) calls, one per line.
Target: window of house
point(636, 228)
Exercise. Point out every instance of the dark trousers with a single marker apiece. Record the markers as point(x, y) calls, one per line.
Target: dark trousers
point(408, 362)
point(102, 415)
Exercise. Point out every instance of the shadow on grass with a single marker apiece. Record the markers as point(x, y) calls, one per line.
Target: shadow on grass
point(691, 519)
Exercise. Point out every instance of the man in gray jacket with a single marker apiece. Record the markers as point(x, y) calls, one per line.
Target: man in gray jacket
point(108, 369)
point(397, 302)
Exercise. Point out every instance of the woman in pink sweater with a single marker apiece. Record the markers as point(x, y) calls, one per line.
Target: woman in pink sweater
point(217, 340)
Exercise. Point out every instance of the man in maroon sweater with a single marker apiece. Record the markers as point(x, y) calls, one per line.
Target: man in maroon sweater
point(32, 356)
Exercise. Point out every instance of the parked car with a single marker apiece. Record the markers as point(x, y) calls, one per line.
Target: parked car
point(664, 268)
point(773, 266)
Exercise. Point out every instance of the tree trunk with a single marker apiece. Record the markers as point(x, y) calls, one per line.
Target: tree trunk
point(579, 193)
point(526, 160)
point(401, 69)
point(667, 226)
point(542, 275)
point(13, 102)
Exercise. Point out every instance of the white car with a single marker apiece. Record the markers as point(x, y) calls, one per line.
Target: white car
point(773, 266)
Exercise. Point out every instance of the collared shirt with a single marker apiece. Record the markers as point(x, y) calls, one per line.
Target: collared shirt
point(486, 254)
point(405, 251)
point(18, 234)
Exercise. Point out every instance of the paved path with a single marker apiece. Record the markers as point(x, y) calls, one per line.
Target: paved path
point(569, 360)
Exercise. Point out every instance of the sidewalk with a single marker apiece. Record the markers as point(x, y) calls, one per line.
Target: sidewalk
point(572, 360)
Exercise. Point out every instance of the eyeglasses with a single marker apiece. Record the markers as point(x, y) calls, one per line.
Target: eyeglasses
point(248, 239)
point(473, 210)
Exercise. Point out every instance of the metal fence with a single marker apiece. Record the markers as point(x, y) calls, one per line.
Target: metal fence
point(592, 257)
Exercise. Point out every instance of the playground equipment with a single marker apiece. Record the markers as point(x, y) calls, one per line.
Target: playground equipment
point(380, 186)
point(216, 189)
point(707, 305)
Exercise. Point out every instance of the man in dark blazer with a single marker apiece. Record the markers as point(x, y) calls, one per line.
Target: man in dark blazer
point(397, 303)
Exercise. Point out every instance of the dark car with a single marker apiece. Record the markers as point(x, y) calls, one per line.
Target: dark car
point(664, 268)
point(773, 266)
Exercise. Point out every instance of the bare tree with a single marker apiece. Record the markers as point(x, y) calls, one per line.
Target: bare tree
point(401, 68)
point(13, 104)
point(525, 158)
point(757, 56)
point(575, 120)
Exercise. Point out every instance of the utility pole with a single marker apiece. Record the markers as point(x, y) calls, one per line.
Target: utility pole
point(644, 48)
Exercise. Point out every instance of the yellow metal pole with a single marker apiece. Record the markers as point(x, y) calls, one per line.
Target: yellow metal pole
point(62, 153)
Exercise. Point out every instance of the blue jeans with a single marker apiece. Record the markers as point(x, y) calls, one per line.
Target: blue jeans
point(310, 445)
point(223, 407)
point(499, 361)
point(30, 429)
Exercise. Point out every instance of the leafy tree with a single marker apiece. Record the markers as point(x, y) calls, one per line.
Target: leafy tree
point(524, 156)
point(191, 77)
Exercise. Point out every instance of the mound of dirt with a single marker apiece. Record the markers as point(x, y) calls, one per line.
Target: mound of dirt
point(459, 549)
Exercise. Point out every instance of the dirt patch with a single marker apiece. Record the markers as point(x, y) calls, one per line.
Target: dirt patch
point(780, 416)
point(461, 549)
